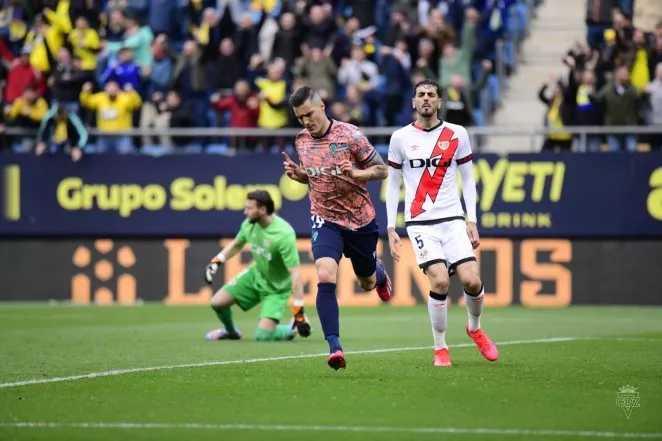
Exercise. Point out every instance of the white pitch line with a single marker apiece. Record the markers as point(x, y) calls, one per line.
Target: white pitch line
point(256, 360)
point(634, 339)
point(316, 428)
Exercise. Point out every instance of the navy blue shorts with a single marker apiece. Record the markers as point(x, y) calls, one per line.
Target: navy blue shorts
point(359, 246)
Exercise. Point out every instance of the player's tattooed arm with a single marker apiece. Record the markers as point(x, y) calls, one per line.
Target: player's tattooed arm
point(372, 164)
point(375, 169)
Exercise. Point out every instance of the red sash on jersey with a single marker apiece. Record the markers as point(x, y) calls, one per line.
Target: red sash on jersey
point(430, 184)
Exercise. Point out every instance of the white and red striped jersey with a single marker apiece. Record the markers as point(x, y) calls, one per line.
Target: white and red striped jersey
point(429, 160)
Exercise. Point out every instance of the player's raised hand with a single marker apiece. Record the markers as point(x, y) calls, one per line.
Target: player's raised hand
point(292, 170)
point(394, 244)
point(472, 232)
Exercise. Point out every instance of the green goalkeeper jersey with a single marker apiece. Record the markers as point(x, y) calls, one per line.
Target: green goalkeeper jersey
point(274, 251)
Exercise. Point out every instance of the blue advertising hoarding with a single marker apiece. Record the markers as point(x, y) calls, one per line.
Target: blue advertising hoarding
point(532, 195)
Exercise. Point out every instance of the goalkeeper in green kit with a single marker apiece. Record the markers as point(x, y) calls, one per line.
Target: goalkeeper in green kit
point(270, 280)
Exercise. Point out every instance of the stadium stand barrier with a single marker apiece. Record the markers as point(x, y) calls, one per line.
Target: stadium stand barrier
point(380, 135)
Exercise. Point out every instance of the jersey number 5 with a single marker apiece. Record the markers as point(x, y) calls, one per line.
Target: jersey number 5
point(419, 241)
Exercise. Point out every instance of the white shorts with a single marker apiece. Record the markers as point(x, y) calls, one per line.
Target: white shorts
point(443, 242)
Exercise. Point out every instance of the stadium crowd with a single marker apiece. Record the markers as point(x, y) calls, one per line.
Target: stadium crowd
point(614, 78)
point(120, 64)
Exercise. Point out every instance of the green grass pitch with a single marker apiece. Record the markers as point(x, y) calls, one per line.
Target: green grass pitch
point(558, 376)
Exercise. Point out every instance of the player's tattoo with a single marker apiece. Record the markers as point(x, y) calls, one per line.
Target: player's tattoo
point(375, 160)
point(377, 167)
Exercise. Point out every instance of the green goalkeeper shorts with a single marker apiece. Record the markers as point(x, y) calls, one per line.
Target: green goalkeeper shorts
point(246, 292)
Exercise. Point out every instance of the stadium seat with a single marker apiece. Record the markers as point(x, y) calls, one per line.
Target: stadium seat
point(17, 147)
point(154, 150)
point(218, 149)
point(478, 117)
point(191, 149)
point(91, 149)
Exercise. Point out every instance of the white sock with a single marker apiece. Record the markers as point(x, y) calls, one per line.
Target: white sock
point(438, 318)
point(474, 308)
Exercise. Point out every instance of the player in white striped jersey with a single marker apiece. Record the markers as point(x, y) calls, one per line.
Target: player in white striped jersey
point(428, 154)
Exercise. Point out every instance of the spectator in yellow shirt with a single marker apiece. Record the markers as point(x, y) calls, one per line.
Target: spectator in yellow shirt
point(273, 97)
point(85, 43)
point(48, 35)
point(28, 110)
point(114, 109)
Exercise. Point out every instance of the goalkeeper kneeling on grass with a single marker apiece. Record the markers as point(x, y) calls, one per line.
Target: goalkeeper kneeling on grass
point(270, 280)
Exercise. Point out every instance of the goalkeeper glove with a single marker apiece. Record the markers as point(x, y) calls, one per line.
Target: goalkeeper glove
point(210, 271)
point(300, 321)
point(212, 267)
